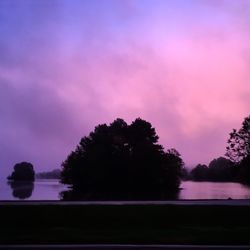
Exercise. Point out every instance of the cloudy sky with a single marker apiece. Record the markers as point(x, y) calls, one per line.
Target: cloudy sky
point(68, 65)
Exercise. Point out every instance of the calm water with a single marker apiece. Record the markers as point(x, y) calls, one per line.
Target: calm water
point(40, 190)
point(213, 190)
point(50, 190)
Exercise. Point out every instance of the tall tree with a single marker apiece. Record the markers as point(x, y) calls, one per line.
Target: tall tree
point(238, 150)
point(122, 161)
point(239, 142)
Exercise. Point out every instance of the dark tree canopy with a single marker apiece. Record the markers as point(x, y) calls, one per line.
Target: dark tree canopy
point(121, 161)
point(199, 173)
point(238, 150)
point(185, 174)
point(244, 170)
point(239, 142)
point(220, 169)
point(23, 171)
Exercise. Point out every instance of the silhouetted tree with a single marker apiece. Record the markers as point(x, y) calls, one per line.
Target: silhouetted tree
point(221, 169)
point(238, 150)
point(122, 161)
point(199, 173)
point(23, 171)
point(239, 142)
point(173, 166)
point(244, 170)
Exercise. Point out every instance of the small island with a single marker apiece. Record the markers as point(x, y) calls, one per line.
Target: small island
point(21, 180)
point(23, 171)
point(122, 162)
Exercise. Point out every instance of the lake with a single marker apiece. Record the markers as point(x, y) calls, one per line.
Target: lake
point(40, 190)
point(213, 190)
point(50, 190)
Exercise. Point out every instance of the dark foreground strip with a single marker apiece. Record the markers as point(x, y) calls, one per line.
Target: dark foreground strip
point(120, 203)
point(122, 247)
point(119, 223)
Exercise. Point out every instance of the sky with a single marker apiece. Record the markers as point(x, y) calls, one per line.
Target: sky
point(68, 65)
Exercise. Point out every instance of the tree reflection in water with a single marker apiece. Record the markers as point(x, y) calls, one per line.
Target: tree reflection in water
point(21, 189)
point(72, 195)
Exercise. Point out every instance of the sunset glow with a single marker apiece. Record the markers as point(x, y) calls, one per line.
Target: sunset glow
point(66, 66)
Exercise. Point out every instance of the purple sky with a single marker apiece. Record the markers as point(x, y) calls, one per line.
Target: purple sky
point(68, 65)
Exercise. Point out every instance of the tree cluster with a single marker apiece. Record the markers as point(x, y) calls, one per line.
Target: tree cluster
point(23, 171)
point(236, 167)
point(121, 161)
point(238, 150)
point(220, 169)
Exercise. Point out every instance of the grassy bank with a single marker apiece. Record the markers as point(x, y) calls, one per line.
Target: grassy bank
point(141, 224)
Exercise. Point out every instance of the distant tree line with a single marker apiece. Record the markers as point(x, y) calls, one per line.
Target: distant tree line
point(236, 167)
point(54, 174)
point(220, 169)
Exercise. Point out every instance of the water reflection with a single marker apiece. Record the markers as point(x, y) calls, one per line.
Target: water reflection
point(54, 190)
point(21, 189)
point(73, 195)
point(213, 190)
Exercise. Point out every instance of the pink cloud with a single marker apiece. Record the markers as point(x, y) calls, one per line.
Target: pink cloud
point(185, 73)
